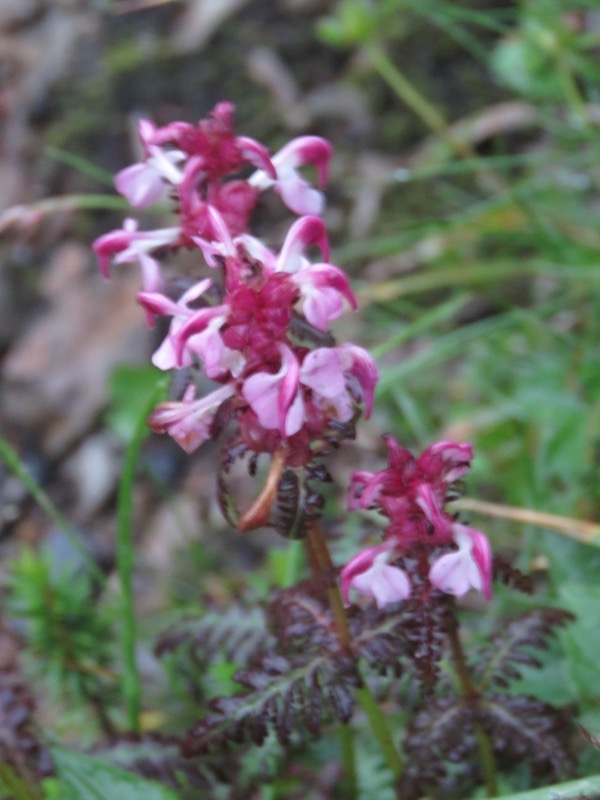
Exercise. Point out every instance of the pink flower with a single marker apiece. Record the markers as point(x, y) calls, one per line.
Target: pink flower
point(274, 396)
point(128, 245)
point(146, 182)
point(280, 401)
point(213, 141)
point(323, 287)
point(304, 232)
point(188, 421)
point(469, 567)
point(191, 162)
point(357, 362)
point(370, 574)
point(358, 483)
point(322, 373)
point(296, 193)
point(251, 340)
point(455, 459)
point(411, 491)
point(432, 506)
point(218, 244)
point(204, 340)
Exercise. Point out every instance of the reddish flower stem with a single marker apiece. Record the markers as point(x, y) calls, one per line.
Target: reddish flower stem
point(322, 565)
point(258, 513)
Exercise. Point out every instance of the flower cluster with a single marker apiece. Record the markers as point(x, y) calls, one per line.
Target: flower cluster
point(253, 325)
point(258, 327)
point(412, 493)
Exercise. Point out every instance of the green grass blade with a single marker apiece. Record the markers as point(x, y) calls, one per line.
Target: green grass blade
point(11, 458)
point(125, 560)
point(82, 165)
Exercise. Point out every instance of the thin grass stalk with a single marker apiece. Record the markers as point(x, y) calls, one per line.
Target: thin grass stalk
point(429, 114)
point(11, 459)
point(131, 684)
point(26, 216)
point(413, 98)
point(578, 529)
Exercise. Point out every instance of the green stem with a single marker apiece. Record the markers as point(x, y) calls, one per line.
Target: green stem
point(470, 694)
point(572, 790)
point(349, 762)
point(575, 101)
point(436, 122)
point(430, 116)
point(411, 96)
point(380, 729)
point(131, 685)
point(11, 458)
point(19, 789)
point(293, 564)
point(321, 563)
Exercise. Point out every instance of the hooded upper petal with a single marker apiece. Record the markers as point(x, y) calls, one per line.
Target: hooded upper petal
point(304, 232)
point(322, 371)
point(358, 362)
point(469, 567)
point(295, 191)
point(370, 574)
point(273, 395)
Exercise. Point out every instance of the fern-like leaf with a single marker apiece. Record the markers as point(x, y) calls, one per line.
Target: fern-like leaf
point(303, 677)
point(441, 733)
point(522, 727)
point(410, 633)
point(225, 635)
point(501, 661)
point(511, 576)
point(441, 743)
point(282, 694)
point(301, 620)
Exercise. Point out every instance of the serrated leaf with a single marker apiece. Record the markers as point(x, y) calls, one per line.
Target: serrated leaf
point(514, 647)
point(281, 695)
point(84, 777)
point(441, 742)
point(214, 637)
point(529, 729)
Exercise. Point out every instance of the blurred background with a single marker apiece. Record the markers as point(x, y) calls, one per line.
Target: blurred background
point(464, 201)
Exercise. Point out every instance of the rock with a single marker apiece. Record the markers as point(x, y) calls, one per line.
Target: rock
point(56, 374)
point(15, 13)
